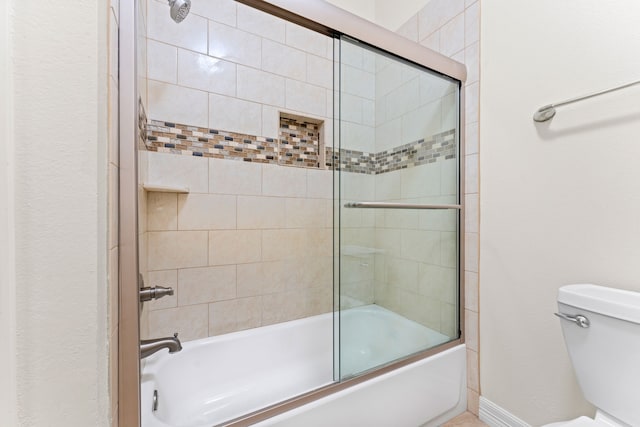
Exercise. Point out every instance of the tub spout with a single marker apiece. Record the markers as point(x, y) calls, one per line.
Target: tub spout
point(148, 347)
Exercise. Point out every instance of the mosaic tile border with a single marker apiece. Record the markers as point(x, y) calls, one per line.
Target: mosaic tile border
point(441, 146)
point(438, 147)
point(292, 149)
point(167, 137)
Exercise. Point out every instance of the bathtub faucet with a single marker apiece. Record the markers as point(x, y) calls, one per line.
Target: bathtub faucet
point(148, 347)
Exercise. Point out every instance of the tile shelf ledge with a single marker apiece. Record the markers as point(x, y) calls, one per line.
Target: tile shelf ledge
point(165, 188)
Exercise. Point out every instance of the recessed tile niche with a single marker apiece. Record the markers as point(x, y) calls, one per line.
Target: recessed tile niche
point(300, 141)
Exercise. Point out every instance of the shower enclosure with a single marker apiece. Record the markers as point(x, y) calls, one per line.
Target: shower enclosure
point(398, 208)
point(291, 176)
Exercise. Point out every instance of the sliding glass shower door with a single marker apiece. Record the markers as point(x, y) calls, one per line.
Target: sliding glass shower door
point(398, 208)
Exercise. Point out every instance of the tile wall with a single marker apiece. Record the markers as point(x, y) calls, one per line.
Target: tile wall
point(417, 259)
point(404, 260)
point(452, 27)
point(234, 68)
point(357, 98)
point(267, 231)
point(411, 104)
point(249, 245)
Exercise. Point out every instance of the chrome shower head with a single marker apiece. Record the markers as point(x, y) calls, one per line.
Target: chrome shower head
point(179, 9)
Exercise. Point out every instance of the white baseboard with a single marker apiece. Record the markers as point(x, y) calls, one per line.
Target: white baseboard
point(495, 416)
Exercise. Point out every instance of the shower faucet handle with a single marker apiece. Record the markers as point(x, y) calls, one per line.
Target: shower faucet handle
point(154, 292)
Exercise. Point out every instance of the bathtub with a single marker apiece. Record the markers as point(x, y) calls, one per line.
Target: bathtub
point(217, 379)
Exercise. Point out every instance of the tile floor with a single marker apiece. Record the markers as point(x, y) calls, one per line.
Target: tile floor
point(465, 420)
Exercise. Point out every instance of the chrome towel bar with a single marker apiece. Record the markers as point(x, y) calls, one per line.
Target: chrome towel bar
point(548, 111)
point(377, 205)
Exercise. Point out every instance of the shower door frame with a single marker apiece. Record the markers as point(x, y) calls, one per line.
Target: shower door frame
point(323, 18)
point(128, 386)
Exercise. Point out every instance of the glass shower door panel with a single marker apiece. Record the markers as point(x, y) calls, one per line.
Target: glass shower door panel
point(398, 209)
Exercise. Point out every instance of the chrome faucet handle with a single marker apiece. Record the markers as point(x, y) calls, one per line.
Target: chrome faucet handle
point(154, 292)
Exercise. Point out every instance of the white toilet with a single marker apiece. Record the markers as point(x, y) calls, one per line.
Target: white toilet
point(601, 328)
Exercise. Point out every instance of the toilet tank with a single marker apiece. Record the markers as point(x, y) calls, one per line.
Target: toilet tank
point(606, 354)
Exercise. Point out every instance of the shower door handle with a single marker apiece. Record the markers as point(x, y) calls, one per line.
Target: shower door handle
point(387, 205)
point(579, 320)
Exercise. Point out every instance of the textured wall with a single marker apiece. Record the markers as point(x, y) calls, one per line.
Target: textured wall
point(560, 200)
point(7, 245)
point(60, 124)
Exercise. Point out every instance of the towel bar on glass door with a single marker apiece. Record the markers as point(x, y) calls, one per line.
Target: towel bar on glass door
point(377, 205)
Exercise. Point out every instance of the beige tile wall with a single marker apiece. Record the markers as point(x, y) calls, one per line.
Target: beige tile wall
point(250, 245)
point(452, 27)
point(410, 104)
point(357, 98)
point(357, 241)
point(233, 68)
point(415, 271)
point(404, 260)
point(236, 69)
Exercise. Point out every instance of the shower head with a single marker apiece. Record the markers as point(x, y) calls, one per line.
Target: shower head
point(179, 9)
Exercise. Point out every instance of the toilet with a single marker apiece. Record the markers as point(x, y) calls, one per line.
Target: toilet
point(601, 328)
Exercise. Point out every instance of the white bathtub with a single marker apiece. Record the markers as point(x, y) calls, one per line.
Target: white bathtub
point(216, 379)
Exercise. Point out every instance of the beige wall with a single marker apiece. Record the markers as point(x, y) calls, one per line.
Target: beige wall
point(364, 8)
point(58, 134)
point(392, 14)
point(388, 14)
point(7, 224)
point(560, 200)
